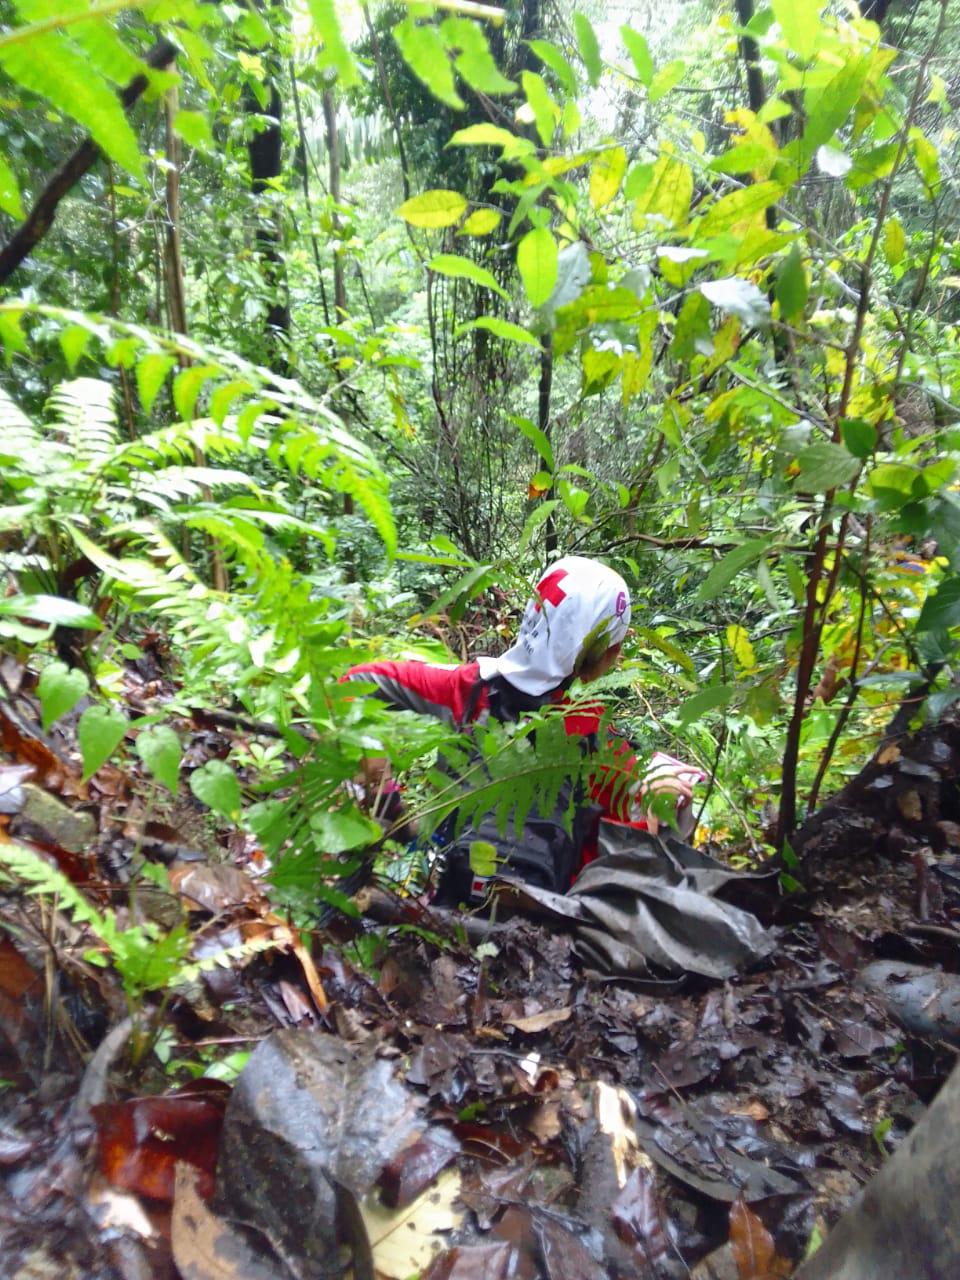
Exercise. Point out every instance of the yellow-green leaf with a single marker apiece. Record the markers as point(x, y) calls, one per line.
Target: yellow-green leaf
point(10, 202)
point(740, 647)
point(452, 264)
point(545, 111)
point(894, 241)
point(426, 55)
point(667, 78)
point(799, 23)
point(667, 195)
point(537, 263)
point(336, 52)
point(480, 223)
point(606, 174)
point(737, 211)
point(435, 208)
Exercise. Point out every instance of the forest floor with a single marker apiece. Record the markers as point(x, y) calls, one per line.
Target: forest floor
point(425, 1106)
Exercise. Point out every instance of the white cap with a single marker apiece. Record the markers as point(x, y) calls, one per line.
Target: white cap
point(576, 600)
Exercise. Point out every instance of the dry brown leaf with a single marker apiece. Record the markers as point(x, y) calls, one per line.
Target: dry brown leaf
point(754, 1110)
point(545, 1123)
point(889, 754)
point(752, 1245)
point(539, 1021)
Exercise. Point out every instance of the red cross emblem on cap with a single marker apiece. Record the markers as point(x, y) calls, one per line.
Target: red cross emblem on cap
point(549, 588)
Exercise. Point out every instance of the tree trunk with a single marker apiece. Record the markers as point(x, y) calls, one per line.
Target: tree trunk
point(265, 150)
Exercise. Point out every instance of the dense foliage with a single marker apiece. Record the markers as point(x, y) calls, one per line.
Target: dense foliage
point(353, 318)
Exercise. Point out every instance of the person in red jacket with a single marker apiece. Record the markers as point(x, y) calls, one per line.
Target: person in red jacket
point(573, 627)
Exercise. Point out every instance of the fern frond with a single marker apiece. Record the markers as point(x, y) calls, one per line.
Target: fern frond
point(18, 436)
point(84, 412)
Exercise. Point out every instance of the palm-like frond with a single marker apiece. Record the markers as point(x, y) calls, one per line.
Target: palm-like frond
point(84, 414)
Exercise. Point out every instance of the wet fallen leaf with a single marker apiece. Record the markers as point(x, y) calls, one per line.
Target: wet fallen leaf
point(477, 1262)
point(539, 1021)
point(403, 1241)
point(637, 1214)
point(411, 1171)
point(141, 1141)
point(214, 887)
point(752, 1245)
point(205, 1247)
point(616, 1112)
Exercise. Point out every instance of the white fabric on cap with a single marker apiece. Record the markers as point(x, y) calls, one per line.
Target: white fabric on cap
point(574, 599)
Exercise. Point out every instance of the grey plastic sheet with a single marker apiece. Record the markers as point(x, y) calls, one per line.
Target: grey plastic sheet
point(652, 900)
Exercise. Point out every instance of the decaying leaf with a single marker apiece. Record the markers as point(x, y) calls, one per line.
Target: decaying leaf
point(752, 1245)
point(404, 1241)
point(205, 1247)
point(539, 1021)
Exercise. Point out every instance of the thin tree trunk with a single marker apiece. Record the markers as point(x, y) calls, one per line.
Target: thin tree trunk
point(176, 298)
point(543, 421)
point(333, 154)
point(265, 151)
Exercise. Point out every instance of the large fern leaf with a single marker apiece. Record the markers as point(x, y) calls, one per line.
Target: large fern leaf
point(18, 436)
point(84, 412)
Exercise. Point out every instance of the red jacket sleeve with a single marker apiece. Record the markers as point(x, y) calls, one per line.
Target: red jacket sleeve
point(607, 785)
point(425, 687)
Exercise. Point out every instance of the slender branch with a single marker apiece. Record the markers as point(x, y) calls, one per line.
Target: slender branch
point(60, 20)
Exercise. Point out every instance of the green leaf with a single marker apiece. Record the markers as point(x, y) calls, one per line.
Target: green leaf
point(710, 699)
point(537, 517)
point(336, 52)
point(589, 48)
point(435, 208)
point(474, 61)
point(12, 336)
point(791, 286)
point(606, 174)
point(194, 128)
point(824, 466)
point(152, 371)
point(99, 733)
point(10, 202)
point(159, 749)
point(942, 611)
point(61, 73)
point(551, 57)
point(59, 690)
point(737, 210)
point(338, 830)
point(490, 135)
point(832, 106)
point(452, 264)
point(73, 343)
point(859, 436)
point(187, 386)
point(667, 78)
point(894, 241)
point(426, 55)
point(639, 51)
point(502, 329)
point(537, 438)
point(666, 195)
point(483, 858)
point(537, 264)
point(215, 785)
point(546, 113)
point(725, 570)
point(53, 609)
point(481, 222)
point(800, 24)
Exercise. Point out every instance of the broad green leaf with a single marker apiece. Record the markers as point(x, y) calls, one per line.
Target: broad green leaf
point(606, 174)
point(894, 241)
point(725, 570)
point(502, 329)
point(667, 78)
point(474, 61)
point(791, 286)
point(537, 264)
point(215, 785)
point(426, 55)
point(52, 609)
point(667, 194)
point(546, 113)
point(152, 371)
point(589, 48)
point(194, 128)
point(10, 202)
point(159, 749)
point(483, 858)
point(825, 466)
point(12, 337)
point(490, 135)
point(99, 733)
point(537, 517)
point(537, 438)
point(926, 158)
point(337, 830)
point(452, 264)
point(60, 688)
point(639, 51)
point(58, 71)
point(800, 24)
point(738, 210)
point(832, 105)
point(336, 52)
point(73, 343)
point(573, 275)
point(859, 436)
point(709, 699)
point(745, 157)
point(187, 386)
point(740, 298)
point(481, 222)
point(551, 57)
point(941, 612)
point(435, 208)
